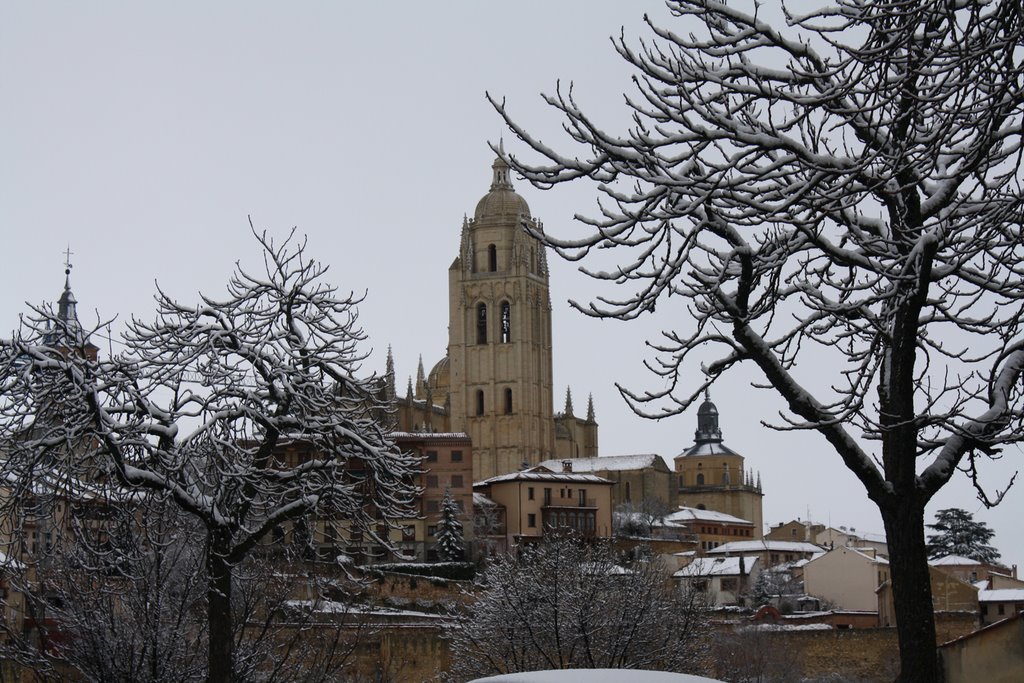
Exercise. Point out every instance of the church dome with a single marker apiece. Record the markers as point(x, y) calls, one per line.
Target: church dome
point(439, 381)
point(502, 201)
point(439, 374)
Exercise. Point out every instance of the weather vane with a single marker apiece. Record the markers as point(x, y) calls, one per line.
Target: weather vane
point(67, 260)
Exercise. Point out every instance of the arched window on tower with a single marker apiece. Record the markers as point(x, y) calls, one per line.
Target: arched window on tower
point(508, 401)
point(481, 324)
point(506, 322)
point(492, 258)
point(700, 479)
point(479, 402)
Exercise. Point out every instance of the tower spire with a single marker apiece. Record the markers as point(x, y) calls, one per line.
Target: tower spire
point(568, 402)
point(590, 409)
point(420, 379)
point(389, 376)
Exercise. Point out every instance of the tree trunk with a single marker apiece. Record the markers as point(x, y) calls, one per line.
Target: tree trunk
point(218, 591)
point(911, 590)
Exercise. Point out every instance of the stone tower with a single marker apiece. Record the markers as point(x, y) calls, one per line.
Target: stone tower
point(499, 335)
point(711, 476)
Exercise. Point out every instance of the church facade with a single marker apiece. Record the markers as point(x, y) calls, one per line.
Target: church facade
point(495, 382)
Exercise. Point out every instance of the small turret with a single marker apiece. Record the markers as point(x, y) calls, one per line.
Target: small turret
point(707, 422)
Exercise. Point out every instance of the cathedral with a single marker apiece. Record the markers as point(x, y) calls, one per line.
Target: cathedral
point(495, 383)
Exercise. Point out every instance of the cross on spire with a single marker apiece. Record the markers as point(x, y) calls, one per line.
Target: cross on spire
point(67, 260)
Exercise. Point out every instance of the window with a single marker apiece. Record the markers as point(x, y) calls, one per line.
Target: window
point(793, 532)
point(529, 493)
point(431, 456)
point(627, 492)
point(456, 481)
point(701, 506)
point(492, 258)
point(700, 479)
point(456, 456)
point(547, 496)
point(583, 498)
point(508, 401)
point(481, 323)
point(479, 402)
point(431, 531)
point(1002, 609)
point(506, 322)
point(531, 520)
point(431, 481)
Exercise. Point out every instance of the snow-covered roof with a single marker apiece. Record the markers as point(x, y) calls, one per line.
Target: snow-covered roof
point(685, 514)
point(853, 551)
point(428, 435)
point(482, 500)
point(544, 474)
point(717, 566)
point(705, 449)
point(1002, 595)
point(595, 676)
point(954, 561)
point(801, 563)
point(610, 463)
point(761, 546)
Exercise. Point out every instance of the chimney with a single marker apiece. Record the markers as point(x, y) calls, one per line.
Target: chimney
point(567, 465)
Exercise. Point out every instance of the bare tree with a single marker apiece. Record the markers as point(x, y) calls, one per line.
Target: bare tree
point(199, 410)
point(640, 518)
point(844, 191)
point(564, 604)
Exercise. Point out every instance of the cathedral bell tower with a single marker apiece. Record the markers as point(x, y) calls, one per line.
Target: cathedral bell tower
point(499, 334)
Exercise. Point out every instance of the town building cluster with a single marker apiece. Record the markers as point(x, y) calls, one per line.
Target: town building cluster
point(490, 443)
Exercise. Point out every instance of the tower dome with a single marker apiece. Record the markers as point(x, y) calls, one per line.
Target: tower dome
point(502, 201)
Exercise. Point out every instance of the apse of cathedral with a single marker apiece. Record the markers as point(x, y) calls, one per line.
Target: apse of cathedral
point(495, 383)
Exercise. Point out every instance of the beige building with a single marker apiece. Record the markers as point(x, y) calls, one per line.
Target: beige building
point(712, 476)
point(495, 383)
point(949, 594)
point(725, 580)
point(1000, 603)
point(847, 578)
point(537, 500)
point(994, 654)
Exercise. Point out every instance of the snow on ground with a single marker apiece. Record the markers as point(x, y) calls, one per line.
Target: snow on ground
point(596, 676)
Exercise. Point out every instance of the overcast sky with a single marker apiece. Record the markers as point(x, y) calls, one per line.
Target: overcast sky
point(142, 135)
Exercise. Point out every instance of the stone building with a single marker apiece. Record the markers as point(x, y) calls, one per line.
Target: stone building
point(642, 481)
point(712, 476)
point(495, 382)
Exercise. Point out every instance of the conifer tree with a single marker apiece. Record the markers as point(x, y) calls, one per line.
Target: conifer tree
point(449, 530)
point(958, 534)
